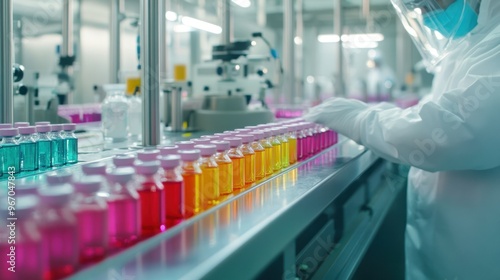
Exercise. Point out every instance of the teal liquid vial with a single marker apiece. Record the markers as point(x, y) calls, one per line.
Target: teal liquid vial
point(44, 147)
point(10, 151)
point(58, 146)
point(71, 143)
point(28, 148)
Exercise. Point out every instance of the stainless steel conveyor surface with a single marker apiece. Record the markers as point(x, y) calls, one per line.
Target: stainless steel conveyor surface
point(238, 237)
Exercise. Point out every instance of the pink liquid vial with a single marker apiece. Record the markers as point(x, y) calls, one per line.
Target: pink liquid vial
point(21, 260)
point(92, 214)
point(59, 228)
point(124, 209)
point(173, 186)
point(148, 185)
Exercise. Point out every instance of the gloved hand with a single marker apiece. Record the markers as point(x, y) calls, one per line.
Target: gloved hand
point(340, 114)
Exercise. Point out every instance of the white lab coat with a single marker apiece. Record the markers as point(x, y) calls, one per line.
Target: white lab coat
point(452, 141)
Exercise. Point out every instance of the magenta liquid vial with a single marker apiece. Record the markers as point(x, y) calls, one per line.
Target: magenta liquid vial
point(301, 142)
point(124, 209)
point(92, 214)
point(97, 169)
point(22, 259)
point(148, 185)
point(173, 185)
point(59, 228)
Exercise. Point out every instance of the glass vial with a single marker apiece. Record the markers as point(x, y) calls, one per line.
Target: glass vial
point(249, 155)
point(58, 146)
point(210, 191)
point(191, 173)
point(173, 185)
point(225, 167)
point(10, 151)
point(260, 155)
point(44, 146)
point(238, 159)
point(71, 142)
point(28, 149)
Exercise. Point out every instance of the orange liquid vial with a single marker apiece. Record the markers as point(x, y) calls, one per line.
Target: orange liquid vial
point(191, 173)
point(249, 154)
point(210, 182)
point(225, 167)
point(238, 159)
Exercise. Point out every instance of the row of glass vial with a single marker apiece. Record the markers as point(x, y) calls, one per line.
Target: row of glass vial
point(106, 210)
point(29, 148)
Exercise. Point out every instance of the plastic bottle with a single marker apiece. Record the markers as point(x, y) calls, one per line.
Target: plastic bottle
point(115, 117)
point(28, 250)
point(124, 209)
point(291, 135)
point(249, 153)
point(225, 167)
point(92, 214)
point(71, 142)
point(168, 150)
point(185, 145)
point(135, 115)
point(10, 151)
point(58, 146)
point(59, 228)
point(124, 160)
point(269, 160)
point(191, 173)
point(276, 149)
point(44, 146)
point(173, 185)
point(28, 149)
point(148, 155)
point(152, 196)
point(210, 172)
point(285, 147)
point(59, 178)
point(238, 159)
point(260, 155)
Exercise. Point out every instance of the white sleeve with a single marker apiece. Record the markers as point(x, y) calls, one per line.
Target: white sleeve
point(459, 131)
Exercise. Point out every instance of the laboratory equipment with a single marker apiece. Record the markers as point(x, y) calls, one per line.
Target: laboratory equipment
point(115, 123)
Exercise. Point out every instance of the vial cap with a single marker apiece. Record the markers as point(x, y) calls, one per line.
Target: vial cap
point(275, 131)
point(69, 127)
point(257, 134)
point(246, 138)
point(94, 168)
point(27, 187)
point(266, 133)
point(169, 161)
point(43, 128)
point(221, 146)
point(189, 155)
point(148, 155)
point(206, 150)
point(21, 124)
point(201, 141)
point(27, 130)
point(58, 178)
point(55, 195)
point(42, 123)
point(121, 175)
point(185, 145)
point(168, 150)
point(124, 160)
point(25, 204)
point(212, 137)
point(232, 133)
point(252, 127)
point(56, 127)
point(234, 142)
point(5, 125)
point(243, 130)
point(88, 184)
point(6, 132)
point(147, 167)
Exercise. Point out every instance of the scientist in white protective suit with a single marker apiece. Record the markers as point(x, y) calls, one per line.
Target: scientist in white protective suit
point(451, 140)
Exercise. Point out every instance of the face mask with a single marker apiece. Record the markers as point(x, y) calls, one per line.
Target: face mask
point(446, 21)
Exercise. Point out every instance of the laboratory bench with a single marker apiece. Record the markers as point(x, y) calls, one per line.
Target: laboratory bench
point(316, 219)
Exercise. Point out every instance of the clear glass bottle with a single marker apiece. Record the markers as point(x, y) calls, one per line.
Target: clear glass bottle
point(28, 249)
point(238, 159)
point(92, 215)
point(10, 151)
point(71, 142)
point(260, 155)
point(115, 124)
point(148, 185)
point(58, 145)
point(225, 167)
point(249, 153)
point(210, 191)
point(124, 209)
point(44, 146)
point(173, 185)
point(191, 173)
point(28, 149)
point(59, 228)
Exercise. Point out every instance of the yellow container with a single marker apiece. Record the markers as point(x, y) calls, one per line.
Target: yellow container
point(132, 83)
point(180, 72)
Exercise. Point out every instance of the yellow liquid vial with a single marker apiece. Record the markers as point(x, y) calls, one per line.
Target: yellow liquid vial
point(192, 196)
point(225, 177)
point(285, 152)
point(210, 185)
point(292, 143)
point(269, 161)
point(238, 172)
point(249, 168)
point(276, 156)
point(260, 164)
